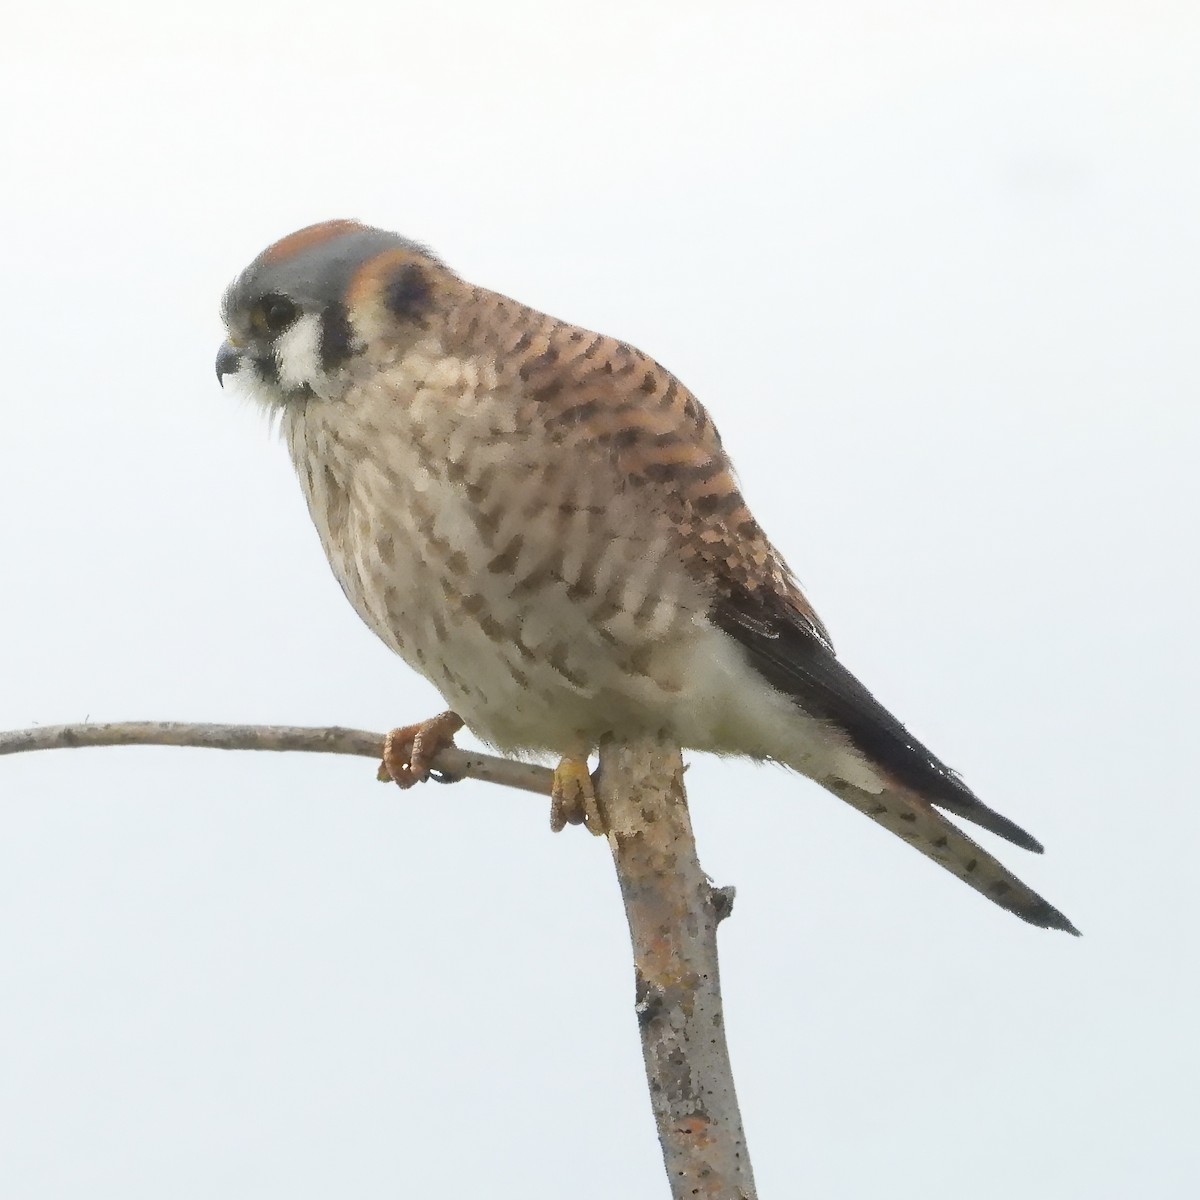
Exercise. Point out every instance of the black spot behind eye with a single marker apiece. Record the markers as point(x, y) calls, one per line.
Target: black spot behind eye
point(408, 295)
point(276, 313)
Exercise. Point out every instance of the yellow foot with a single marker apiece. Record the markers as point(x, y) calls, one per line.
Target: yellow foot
point(573, 798)
point(408, 752)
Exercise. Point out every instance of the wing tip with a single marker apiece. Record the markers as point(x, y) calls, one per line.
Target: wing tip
point(1012, 832)
point(969, 807)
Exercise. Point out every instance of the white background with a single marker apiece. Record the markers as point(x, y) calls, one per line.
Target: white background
point(934, 269)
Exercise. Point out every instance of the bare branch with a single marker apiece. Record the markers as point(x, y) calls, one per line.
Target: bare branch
point(451, 762)
point(672, 912)
point(673, 915)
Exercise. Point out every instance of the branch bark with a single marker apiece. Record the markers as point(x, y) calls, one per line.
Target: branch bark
point(452, 762)
point(673, 914)
point(672, 910)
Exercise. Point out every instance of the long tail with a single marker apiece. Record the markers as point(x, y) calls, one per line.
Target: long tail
point(787, 648)
point(924, 828)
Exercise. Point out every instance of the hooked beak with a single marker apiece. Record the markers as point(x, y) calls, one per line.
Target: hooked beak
point(229, 361)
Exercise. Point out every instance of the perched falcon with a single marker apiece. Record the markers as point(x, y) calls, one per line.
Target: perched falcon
point(542, 522)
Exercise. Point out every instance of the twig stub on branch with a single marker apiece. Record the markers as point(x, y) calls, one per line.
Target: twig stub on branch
point(673, 914)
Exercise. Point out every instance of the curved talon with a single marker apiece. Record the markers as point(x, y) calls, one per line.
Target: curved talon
point(409, 751)
point(573, 797)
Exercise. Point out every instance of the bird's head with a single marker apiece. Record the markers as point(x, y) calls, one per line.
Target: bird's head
point(301, 313)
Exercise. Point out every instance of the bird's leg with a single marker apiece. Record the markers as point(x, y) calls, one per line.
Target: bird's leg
point(573, 796)
point(409, 751)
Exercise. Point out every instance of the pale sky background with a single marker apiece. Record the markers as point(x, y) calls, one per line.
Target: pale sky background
point(935, 270)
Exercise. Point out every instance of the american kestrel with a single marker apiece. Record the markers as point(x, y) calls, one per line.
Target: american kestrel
point(542, 522)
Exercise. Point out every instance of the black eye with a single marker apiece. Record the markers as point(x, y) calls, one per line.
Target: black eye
point(275, 313)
